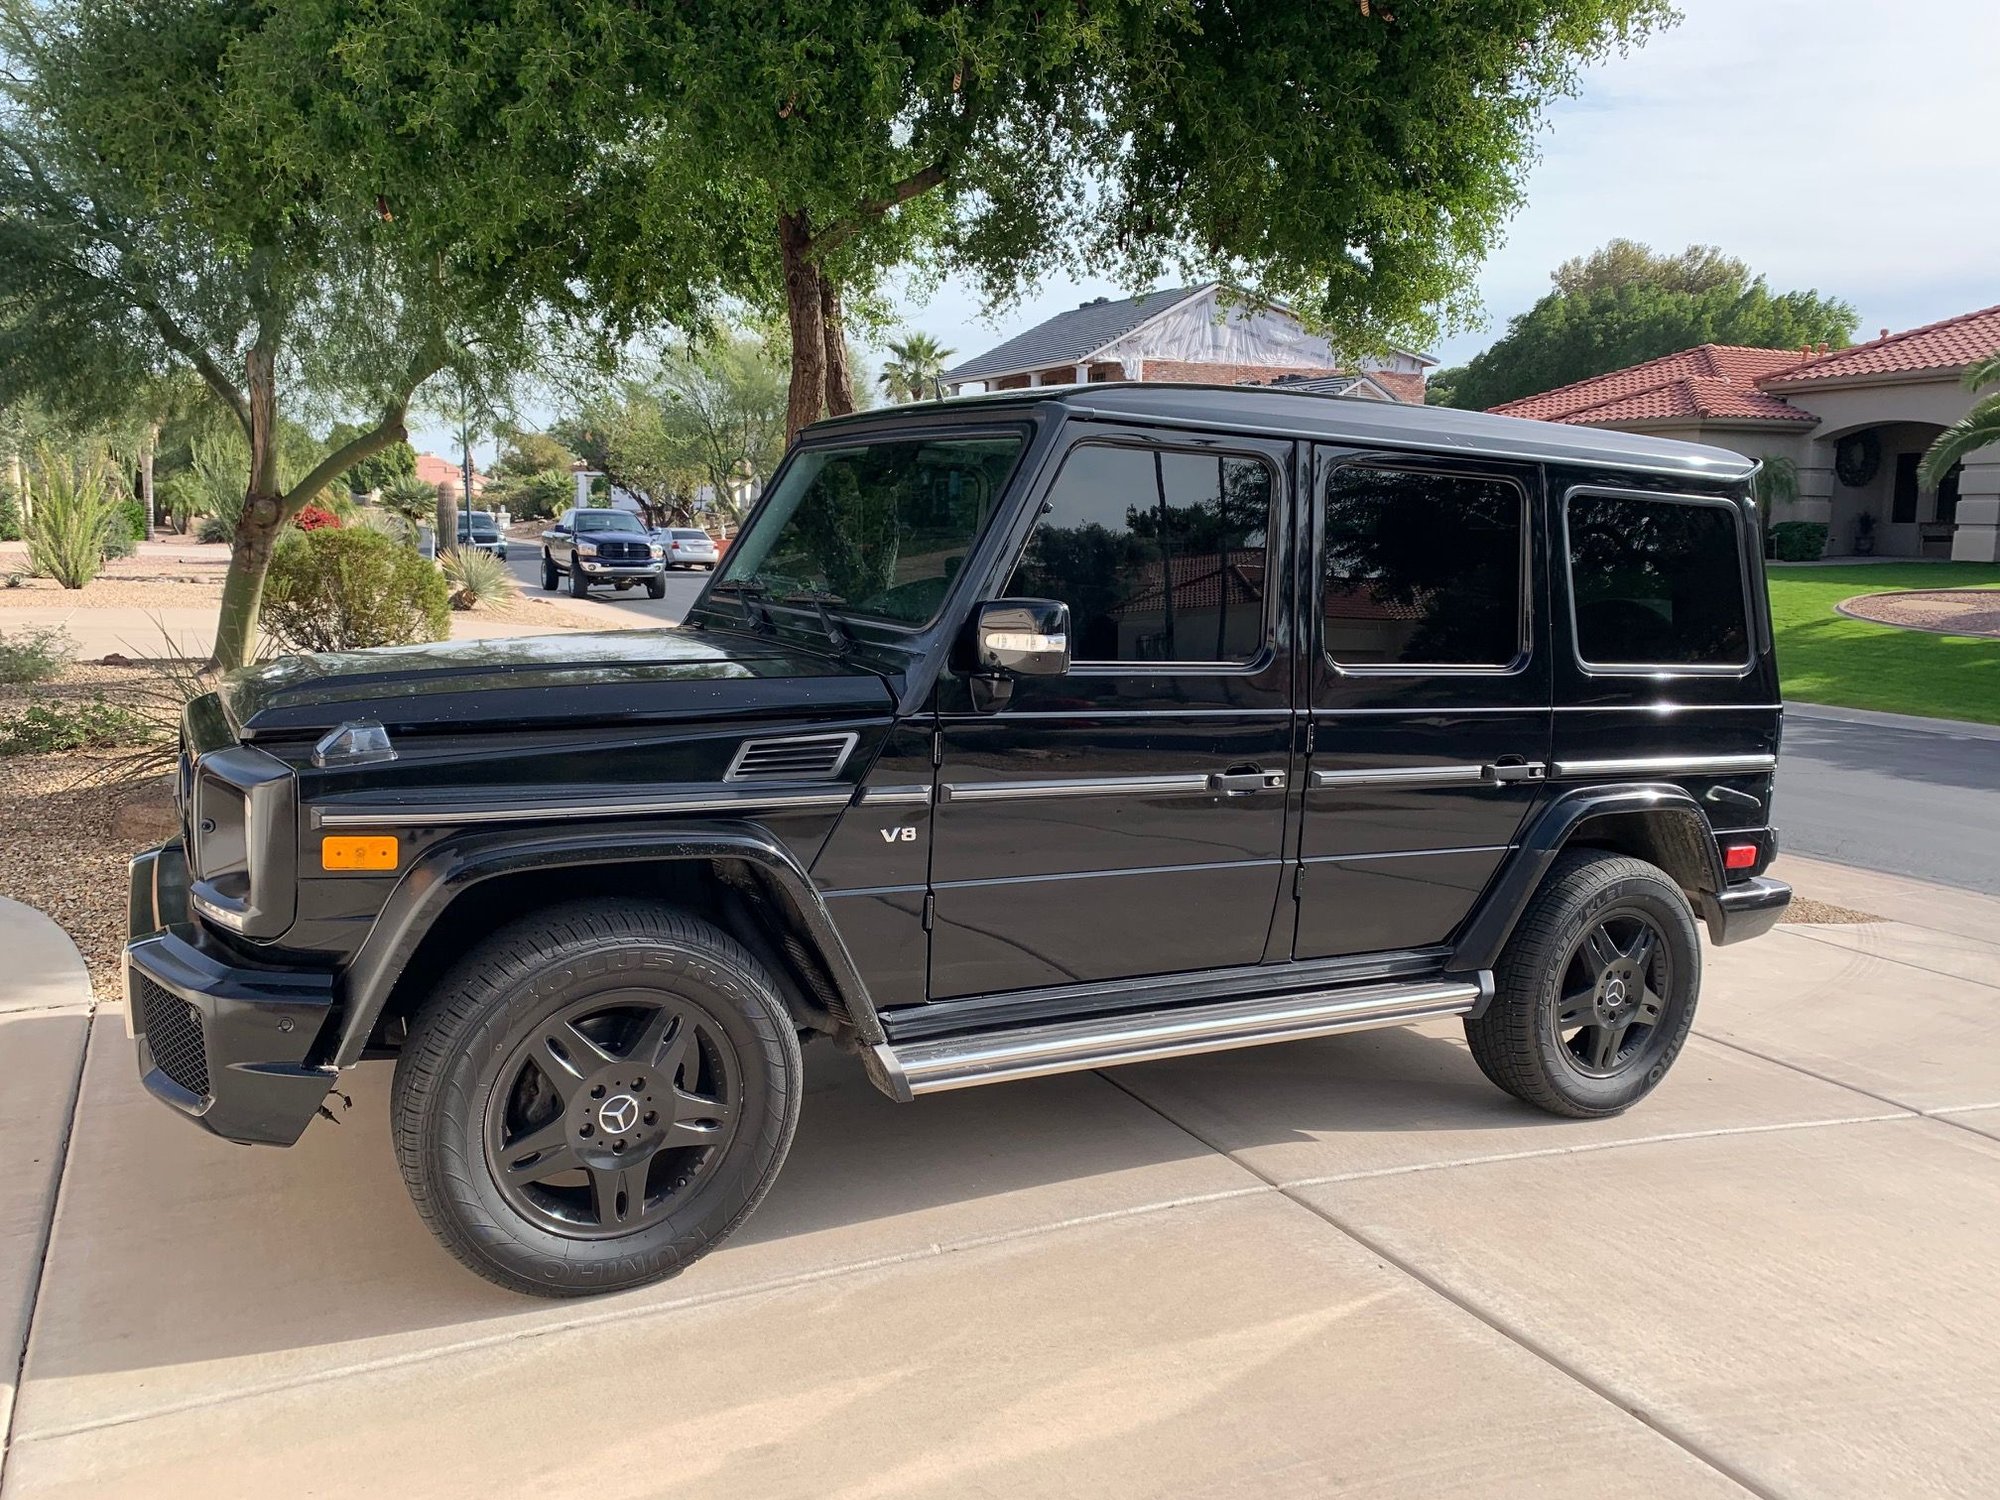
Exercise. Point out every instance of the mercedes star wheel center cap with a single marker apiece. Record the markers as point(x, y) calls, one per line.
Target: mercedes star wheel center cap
point(618, 1114)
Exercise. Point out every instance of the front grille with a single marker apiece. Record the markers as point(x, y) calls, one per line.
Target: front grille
point(173, 1031)
point(799, 757)
point(624, 551)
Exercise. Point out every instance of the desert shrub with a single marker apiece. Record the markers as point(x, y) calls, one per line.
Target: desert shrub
point(214, 529)
point(531, 497)
point(75, 512)
point(10, 513)
point(414, 499)
point(1798, 541)
point(474, 578)
point(345, 588)
point(315, 517)
point(42, 728)
point(34, 655)
point(383, 523)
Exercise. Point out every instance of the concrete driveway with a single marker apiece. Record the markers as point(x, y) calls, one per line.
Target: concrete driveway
point(1347, 1266)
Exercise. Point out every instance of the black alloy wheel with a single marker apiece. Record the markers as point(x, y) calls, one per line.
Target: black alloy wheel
point(608, 1110)
point(1595, 992)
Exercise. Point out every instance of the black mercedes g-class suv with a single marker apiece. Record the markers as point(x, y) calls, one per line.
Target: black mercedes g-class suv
point(1017, 734)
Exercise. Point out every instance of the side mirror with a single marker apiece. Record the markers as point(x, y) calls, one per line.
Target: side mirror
point(1021, 638)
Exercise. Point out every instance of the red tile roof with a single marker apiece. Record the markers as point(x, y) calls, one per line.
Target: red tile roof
point(1709, 380)
point(1949, 345)
point(434, 470)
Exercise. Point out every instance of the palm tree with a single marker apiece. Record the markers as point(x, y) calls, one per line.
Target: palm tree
point(1974, 430)
point(915, 367)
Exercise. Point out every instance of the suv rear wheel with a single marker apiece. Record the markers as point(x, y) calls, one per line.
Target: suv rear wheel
point(595, 1098)
point(548, 574)
point(1596, 990)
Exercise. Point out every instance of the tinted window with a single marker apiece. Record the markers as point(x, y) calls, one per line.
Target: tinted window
point(606, 520)
point(690, 536)
point(1421, 569)
point(1657, 582)
point(1159, 555)
point(879, 529)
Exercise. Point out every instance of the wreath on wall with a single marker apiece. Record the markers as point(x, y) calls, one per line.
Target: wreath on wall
point(1856, 458)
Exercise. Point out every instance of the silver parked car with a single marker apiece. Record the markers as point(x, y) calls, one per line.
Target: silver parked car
point(687, 548)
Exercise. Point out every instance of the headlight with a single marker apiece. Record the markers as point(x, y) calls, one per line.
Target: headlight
point(245, 837)
point(658, 550)
point(586, 549)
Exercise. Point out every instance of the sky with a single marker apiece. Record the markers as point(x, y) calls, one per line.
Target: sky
point(1843, 146)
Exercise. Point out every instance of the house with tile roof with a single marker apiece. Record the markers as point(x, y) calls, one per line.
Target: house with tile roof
point(432, 469)
point(1191, 333)
point(1856, 423)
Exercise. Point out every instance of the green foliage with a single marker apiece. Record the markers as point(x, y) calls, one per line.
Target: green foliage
point(1798, 541)
point(75, 510)
point(1973, 431)
point(213, 529)
point(34, 654)
point(411, 499)
point(530, 497)
point(348, 588)
point(1623, 305)
point(1827, 657)
point(397, 461)
point(914, 367)
point(43, 728)
point(524, 455)
point(127, 529)
point(473, 578)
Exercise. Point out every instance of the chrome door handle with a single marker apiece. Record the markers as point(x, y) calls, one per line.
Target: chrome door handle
point(1533, 770)
point(1236, 783)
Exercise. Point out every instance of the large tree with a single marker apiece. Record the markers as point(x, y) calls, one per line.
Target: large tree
point(1623, 304)
point(158, 211)
point(1355, 159)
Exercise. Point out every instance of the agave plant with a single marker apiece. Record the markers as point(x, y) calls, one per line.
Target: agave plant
point(75, 510)
point(1975, 430)
point(476, 578)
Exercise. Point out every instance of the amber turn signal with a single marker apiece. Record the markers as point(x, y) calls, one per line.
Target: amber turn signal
point(358, 853)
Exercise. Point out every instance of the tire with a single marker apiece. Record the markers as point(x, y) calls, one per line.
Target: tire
point(524, 1040)
point(656, 587)
point(548, 574)
point(1586, 1019)
point(579, 586)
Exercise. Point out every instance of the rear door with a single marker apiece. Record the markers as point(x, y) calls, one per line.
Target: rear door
point(1428, 692)
point(1129, 818)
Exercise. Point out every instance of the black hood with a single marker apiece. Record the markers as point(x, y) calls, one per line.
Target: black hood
point(567, 680)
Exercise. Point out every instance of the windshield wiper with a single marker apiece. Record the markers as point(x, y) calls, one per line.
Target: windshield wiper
point(750, 593)
point(819, 599)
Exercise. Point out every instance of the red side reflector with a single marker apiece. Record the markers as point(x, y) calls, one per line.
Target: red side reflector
point(1739, 857)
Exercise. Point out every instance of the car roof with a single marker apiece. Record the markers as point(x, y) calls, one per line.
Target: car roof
point(1273, 410)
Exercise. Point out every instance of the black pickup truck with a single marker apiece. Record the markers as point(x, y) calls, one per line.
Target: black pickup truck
point(1018, 734)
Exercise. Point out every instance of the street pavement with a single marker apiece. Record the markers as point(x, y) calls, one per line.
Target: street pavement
point(1918, 797)
point(1345, 1266)
point(524, 560)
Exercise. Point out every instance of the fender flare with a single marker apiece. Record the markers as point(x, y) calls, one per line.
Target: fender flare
point(449, 870)
point(1480, 945)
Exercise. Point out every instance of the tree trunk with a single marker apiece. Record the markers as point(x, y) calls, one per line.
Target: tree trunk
point(839, 374)
point(257, 528)
point(146, 495)
point(803, 315)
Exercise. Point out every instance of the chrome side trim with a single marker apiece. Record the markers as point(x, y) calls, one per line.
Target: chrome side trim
point(1079, 786)
point(1100, 1041)
point(915, 795)
point(410, 815)
point(751, 746)
point(1668, 765)
point(1402, 776)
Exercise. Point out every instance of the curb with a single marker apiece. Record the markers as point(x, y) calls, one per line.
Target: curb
point(1963, 729)
point(44, 970)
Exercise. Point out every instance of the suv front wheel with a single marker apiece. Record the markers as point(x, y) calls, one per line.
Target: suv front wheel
point(1595, 993)
point(595, 1098)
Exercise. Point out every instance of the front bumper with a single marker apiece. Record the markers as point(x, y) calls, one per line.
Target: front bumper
point(221, 1043)
point(1744, 909)
point(592, 568)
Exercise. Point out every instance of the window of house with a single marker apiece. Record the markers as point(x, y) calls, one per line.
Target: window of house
point(1160, 554)
point(1422, 570)
point(1903, 502)
point(1657, 582)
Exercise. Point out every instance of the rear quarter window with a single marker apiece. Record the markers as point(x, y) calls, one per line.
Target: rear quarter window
point(1657, 581)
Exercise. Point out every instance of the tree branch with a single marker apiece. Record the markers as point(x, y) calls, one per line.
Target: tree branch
point(383, 435)
point(915, 185)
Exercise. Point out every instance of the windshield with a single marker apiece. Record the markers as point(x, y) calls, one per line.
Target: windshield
point(606, 520)
point(880, 528)
point(480, 518)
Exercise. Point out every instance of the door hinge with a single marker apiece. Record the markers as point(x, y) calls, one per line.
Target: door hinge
point(1312, 729)
point(937, 748)
point(930, 909)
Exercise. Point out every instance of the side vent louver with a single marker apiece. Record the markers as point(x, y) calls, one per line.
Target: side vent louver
point(798, 757)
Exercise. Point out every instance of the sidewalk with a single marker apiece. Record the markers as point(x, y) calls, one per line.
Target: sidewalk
point(1345, 1266)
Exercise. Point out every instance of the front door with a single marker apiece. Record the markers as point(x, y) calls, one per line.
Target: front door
point(1428, 686)
point(1128, 818)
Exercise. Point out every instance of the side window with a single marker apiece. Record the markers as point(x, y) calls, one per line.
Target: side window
point(1160, 554)
point(1422, 570)
point(1657, 582)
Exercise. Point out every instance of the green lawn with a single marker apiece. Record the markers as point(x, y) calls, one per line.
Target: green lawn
point(1824, 657)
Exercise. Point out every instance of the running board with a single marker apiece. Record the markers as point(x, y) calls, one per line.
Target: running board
point(959, 1062)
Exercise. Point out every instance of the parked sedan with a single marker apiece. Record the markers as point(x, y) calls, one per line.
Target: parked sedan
point(687, 548)
point(478, 530)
